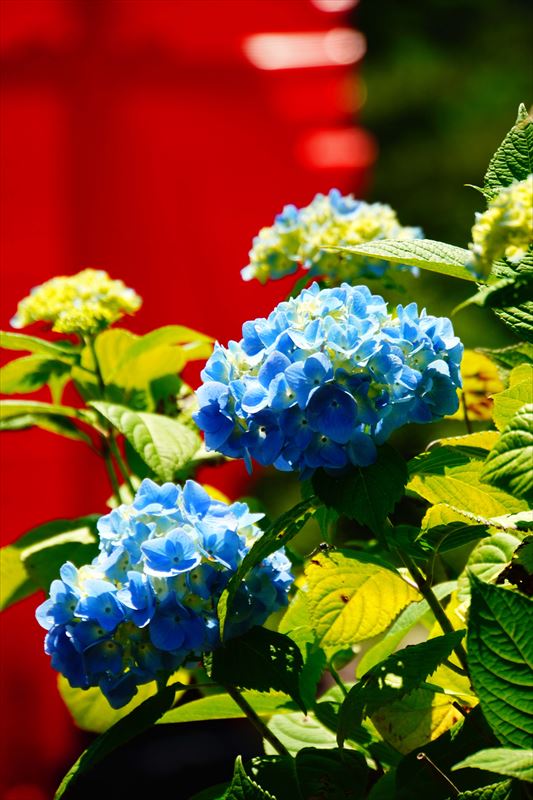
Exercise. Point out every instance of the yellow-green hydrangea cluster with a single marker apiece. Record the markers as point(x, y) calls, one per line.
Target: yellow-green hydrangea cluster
point(505, 228)
point(299, 235)
point(83, 303)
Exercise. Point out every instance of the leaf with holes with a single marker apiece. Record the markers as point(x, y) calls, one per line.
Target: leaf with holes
point(500, 660)
point(509, 464)
point(260, 660)
point(392, 679)
point(366, 494)
point(513, 160)
point(164, 444)
point(352, 597)
point(446, 259)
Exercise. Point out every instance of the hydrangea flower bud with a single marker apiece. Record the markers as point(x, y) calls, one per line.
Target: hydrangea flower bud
point(148, 602)
point(505, 228)
point(83, 303)
point(298, 236)
point(325, 378)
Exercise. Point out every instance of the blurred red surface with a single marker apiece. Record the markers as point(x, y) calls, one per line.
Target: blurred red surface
point(138, 136)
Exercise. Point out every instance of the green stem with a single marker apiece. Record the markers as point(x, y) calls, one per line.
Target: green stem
point(256, 721)
point(108, 461)
point(121, 463)
point(440, 615)
point(338, 680)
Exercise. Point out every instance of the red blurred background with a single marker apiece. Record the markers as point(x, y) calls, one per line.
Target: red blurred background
point(152, 138)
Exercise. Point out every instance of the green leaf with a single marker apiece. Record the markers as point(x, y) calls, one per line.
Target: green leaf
point(503, 760)
point(500, 660)
point(511, 299)
point(447, 475)
point(410, 616)
point(295, 623)
point(444, 528)
point(392, 679)
point(506, 790)
point(513, 160)
point(17, 408)
point(509, 464)
point(43, 560)
point(366, 494)
point(244, 788)
point(352, 597)
point(313, 773)
point(481, 440)
point(212, 793)
point(276, 536)
point(15, 582)
point(125, 729)
point(446, 259)
point(91, 711)
point(487, 560)
point(511, 356)
point(511, 400)
point(260, 659)
point(29, 373)
point(297, 731)
point(64, 351)
point(221, 706)
point(164, 444)
point(62, 426)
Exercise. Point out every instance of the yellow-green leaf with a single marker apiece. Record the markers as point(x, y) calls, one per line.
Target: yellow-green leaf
point(353, 597)
point(520, 391)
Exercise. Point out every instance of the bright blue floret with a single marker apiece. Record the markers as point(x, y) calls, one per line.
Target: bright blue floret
point(148, 602)
point(326, 378)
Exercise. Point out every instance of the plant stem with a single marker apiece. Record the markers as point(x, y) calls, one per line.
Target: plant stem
point(256, 721)
point(338, 680)
point(451, 787)
point(110, 470)
point(440, 615)
point(120, 462)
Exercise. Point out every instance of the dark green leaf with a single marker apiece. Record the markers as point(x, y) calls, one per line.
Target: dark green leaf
point(392, 679)
point(511, 299)
point(164, 444)
point(260, 659)
point(513, 160)
point(15, 582)
point(276, 536)
point(366, 494)
point(520, 571)
point(125, 729)
point(509, 464)
point(500, 659)
point(244, 788)
point(506, 790)
point(321, 774)
point(511, 356)
point(446, 259)
point(502, 760)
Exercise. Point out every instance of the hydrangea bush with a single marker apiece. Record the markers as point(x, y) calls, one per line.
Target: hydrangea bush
point(175, 601)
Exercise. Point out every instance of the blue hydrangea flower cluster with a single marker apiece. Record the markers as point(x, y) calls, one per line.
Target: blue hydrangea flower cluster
point(298, 237)
point(147, 603)
point(325, 378)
